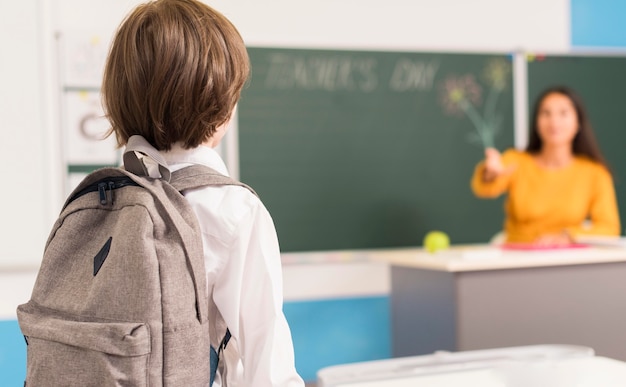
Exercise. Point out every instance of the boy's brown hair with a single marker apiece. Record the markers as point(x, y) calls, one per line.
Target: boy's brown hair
point(174, 73)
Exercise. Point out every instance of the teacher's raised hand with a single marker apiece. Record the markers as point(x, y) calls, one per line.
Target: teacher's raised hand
point(494, 167)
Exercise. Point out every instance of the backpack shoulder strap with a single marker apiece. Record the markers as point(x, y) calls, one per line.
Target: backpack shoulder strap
point(196, 176)
point(134, 164)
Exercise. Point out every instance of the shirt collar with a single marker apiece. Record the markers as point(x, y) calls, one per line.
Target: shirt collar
point(179, 157)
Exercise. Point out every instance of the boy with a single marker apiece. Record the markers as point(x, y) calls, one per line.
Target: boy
point(174, 75)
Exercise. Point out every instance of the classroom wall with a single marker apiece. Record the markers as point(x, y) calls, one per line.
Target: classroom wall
point(23, 150)
point(395, 24)
point(30, 79)
point(30, 92)
point(30, 116)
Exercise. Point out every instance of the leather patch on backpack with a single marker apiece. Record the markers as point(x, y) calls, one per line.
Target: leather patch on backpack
point(99, 259)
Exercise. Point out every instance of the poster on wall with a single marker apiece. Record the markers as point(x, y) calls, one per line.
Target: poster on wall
point(84, 130)
point(82, 58)
point(84, 145)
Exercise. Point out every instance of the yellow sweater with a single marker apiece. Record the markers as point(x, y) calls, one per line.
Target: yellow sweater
point(548, 201)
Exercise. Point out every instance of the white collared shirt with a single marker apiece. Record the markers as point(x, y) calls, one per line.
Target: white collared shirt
point(244, 275)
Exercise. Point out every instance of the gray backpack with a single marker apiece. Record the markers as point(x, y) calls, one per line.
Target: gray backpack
point(120, 298)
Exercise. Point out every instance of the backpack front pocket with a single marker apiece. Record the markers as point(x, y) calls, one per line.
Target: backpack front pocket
point(91, 352)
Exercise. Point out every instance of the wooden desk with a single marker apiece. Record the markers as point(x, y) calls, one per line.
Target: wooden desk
point(475, 297)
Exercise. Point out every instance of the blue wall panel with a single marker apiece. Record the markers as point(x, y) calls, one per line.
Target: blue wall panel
point(12, 354)
point(338, 331)
point(598, 23)
point(325, 332)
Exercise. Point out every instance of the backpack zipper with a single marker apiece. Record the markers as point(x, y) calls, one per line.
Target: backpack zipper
point(103, 186)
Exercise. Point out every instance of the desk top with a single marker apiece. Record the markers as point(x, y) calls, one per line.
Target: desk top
point(464, 258)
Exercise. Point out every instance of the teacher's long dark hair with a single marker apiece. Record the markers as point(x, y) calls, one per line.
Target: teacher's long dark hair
point(584, 143)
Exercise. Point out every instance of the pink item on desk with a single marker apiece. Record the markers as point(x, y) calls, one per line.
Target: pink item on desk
point(535, 247)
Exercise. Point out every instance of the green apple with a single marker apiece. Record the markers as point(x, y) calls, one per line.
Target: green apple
point(435, 241)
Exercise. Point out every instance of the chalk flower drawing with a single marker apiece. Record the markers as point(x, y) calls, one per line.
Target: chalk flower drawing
point(460, 91)
point(497, 73)
point(463, 96)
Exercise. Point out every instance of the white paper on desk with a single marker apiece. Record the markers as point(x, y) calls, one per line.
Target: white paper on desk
point(607, 241)
point(471, 253)
point(480, 377)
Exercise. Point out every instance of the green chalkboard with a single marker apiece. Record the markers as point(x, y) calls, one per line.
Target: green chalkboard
point(360, 149)
point(601, 82)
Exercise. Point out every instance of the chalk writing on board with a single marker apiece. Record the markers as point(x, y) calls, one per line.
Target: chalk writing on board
point(352, 73)
point(413, 75)
point(462, 95)
point(321, 73)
